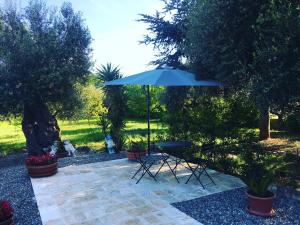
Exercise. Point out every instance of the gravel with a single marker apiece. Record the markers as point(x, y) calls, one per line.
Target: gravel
point(221, 208)
point(91, 157)
point(229, 208)
point(15, 184)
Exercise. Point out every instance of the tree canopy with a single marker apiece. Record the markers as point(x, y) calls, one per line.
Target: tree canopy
point(248, 45)
point(43, 53)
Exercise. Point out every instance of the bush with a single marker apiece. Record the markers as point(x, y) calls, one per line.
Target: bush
point(202, 115)
point(293, 123)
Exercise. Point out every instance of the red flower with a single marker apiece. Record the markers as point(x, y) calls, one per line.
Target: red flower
point(6, 211)
point(42, 160)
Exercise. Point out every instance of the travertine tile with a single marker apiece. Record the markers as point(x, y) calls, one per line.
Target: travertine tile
point(103, 193)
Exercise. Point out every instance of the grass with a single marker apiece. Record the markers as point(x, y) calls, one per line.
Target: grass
point(88, 133)
point(80, 133)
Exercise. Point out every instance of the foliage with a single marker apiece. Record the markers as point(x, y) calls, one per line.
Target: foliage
point(256, 172)
point(202, 115)
point(137, 102)
point(137, 146)
point(91, 98)
point(293, 123)
point(42, 160)
point(104, 123)
point(115, 102)
point(177, 117)
point(250, 46)
point(168, 36)
point(44, 53)
point(6, 211)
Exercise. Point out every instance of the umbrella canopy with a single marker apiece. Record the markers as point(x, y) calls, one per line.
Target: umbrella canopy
point(163, 77)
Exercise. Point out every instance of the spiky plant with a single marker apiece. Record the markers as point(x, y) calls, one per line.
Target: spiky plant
point(115, 101)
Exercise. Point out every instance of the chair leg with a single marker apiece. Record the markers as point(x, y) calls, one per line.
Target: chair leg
point(172, 172)
point(145, 169)
point(193, 172)
point(137, 172)
point(164, 162)
point(143, 174)
point(209, 176)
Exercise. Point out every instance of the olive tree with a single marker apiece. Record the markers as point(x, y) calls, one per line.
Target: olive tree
point(44, 52)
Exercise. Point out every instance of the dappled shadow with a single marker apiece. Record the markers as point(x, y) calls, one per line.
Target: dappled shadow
point(11, 147)
point(81, 131)
point(286, 135)
point(142, 132)
point(281, 141)
point(87, 138)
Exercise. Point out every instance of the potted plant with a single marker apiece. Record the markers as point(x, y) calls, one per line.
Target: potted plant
point(6, 213)
point(258, 177)
point(136, 149)
point(41, 166)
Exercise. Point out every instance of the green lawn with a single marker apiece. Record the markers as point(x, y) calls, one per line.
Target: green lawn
point(80, 133)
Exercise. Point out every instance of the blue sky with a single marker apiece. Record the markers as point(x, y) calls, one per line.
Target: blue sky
point(115, 32)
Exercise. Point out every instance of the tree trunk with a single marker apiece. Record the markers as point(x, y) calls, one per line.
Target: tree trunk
point(264, 122)
point(39, 127)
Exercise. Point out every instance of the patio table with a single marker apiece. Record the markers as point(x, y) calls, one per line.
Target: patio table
point(172, 148)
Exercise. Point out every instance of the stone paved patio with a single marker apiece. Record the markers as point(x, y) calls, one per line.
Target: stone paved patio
point(103, 194)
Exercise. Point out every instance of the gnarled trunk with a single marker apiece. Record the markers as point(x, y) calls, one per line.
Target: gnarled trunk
point(39, 127)
point(264, 122)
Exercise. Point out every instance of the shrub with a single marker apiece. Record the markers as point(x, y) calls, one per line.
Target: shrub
point(256, 172)
point(293, 123)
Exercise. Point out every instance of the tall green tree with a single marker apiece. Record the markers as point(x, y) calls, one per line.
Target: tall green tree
point(249, 45)
point(43, 54)
point(115, 102)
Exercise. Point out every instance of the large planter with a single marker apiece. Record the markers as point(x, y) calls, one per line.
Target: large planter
point(42, 171)
point(260, 206)
point(132, 156)
point(7, 222)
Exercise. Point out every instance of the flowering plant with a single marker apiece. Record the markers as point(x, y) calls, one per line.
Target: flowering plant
point(6, 211)
point(42, 160)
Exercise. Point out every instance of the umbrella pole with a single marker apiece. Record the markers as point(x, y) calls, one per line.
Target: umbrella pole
point(148, 114)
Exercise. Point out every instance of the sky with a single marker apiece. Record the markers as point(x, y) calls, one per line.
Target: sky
point(115, 31)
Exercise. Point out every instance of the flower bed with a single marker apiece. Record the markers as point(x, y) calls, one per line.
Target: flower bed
point(6, 213)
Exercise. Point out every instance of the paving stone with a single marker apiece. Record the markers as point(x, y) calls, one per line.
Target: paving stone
point(103, 193)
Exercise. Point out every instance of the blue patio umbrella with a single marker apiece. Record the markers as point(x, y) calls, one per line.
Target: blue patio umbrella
point(162, 77)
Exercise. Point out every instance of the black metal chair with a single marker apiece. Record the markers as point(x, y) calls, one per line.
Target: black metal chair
point(198, 164)
point(171, 152)
point(145, 163)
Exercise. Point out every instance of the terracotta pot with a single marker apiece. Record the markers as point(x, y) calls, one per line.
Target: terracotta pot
point(7, 222)
point(132, 156)
point(260, 206)
point(42, 171)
